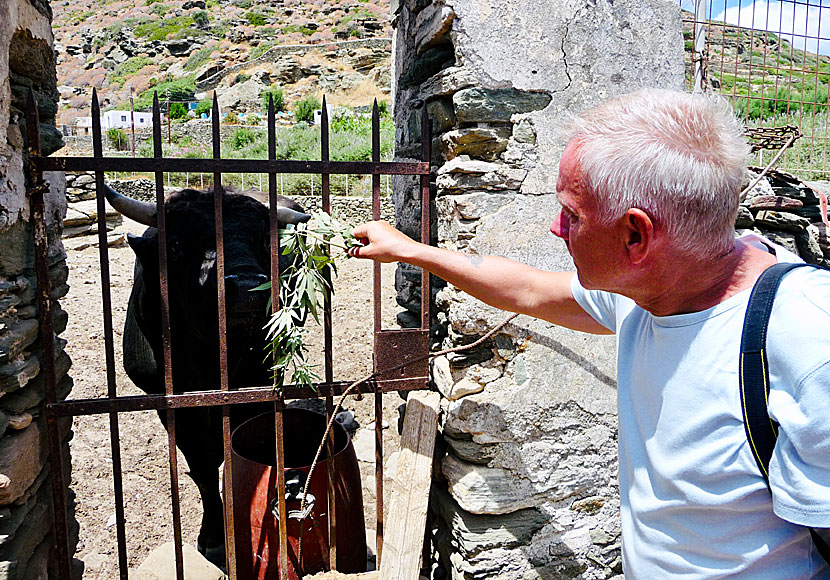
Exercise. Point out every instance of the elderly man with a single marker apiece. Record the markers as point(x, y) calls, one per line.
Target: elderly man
point(648, 186)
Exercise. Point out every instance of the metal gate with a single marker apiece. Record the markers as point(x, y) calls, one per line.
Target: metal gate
point(407, 348)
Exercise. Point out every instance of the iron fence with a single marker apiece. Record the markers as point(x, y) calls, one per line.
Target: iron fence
point(769, 59)
point(400, 354)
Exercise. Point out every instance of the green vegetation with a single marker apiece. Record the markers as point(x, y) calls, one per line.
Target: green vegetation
point(201, 19)
point(255, 18)
point(180, 89)
point(118, 138)
point(350, 140)
point(203, 107)
point(305, 107)
point(279, 100)
point(291, 28)
point(161, 10)
point(243, 137)
point(198, 58)
point(161, 29)
point(128, 68)
point(178, 111)
point(262, 48)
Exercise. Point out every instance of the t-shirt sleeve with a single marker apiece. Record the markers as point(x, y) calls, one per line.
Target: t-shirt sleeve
point(800, 401)
point(602, 306)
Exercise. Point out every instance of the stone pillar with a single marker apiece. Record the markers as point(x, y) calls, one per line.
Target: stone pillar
point(528, 479)
point(27, 62)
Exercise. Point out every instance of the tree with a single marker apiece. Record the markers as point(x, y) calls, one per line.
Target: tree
point(178, 111)
point(305, 107)
point(279, 99)
point(117, 138)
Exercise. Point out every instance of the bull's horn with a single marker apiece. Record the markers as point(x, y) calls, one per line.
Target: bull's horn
point(143, 212)
point(286, 215)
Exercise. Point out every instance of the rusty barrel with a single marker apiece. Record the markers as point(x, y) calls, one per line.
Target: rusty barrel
point(256, 527)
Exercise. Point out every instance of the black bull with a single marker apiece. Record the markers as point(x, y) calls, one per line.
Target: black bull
point(194, 321)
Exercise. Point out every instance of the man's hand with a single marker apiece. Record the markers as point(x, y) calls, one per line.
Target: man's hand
point(382, 243)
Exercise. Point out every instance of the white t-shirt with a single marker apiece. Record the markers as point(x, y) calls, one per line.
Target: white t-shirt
point(693, 502)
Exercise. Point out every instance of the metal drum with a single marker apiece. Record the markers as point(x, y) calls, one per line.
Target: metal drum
point(256, 527)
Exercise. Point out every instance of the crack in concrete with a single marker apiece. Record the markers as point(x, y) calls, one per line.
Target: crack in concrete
point(565, 58)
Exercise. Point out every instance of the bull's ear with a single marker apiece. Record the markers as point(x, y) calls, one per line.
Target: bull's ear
point(146, 249)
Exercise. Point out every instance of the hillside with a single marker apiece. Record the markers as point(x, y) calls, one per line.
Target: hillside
point(754, 65)
point(124, 47)
point(770, 83)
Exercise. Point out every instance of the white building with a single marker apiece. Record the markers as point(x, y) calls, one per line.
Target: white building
point(121, 120)
point(114, 119)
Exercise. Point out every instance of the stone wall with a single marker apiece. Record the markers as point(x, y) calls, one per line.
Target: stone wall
point(528, 470)
point(27, 62)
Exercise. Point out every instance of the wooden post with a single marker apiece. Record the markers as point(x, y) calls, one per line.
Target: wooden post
point(410, 489)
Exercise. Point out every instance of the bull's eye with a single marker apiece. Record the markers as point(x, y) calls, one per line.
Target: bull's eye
point(175, 247)
point(207, 265)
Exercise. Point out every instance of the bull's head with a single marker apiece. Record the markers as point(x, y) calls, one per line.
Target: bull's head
point(191, 252)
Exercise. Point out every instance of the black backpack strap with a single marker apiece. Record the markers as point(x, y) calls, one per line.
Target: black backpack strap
point(761, 430)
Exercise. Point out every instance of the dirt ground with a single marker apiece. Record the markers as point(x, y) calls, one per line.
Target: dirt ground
point(144, 447)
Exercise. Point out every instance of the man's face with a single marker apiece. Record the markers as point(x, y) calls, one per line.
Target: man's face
point(590, 243)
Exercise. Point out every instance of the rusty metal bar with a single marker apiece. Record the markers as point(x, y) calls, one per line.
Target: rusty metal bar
point(328, 348)
point(227, 478)
point(282, 541)
point(426, 153)
point(150, 165)
point(47, 337)
point(106, 306)
point(166, 342)
point(79, 407)
point(377, 305)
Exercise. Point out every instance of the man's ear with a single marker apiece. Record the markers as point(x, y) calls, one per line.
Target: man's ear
point(638, 232)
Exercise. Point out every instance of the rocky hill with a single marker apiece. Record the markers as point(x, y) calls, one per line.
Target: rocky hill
point(763, 73)
point(339, 48)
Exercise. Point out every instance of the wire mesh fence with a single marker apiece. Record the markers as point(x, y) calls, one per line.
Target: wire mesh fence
point(770, 60)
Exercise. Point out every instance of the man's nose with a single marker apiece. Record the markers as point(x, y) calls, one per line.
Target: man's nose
point(559, 226)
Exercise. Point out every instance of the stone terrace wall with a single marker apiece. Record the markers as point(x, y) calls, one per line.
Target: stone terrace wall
point(27, 62)
point(528, 477)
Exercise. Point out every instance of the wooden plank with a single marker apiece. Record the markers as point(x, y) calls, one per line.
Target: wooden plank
point(406, 519)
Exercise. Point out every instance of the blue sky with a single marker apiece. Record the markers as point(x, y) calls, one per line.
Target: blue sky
point(792, 19)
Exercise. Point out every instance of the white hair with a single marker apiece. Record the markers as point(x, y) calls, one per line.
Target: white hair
point(679, 157)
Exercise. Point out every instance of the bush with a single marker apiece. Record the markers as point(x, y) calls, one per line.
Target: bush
point(232, 118)
point(279, 99)
point(255, 18)
point(243, 137)
point(252, 119)
point(305, 107)
point(159, 29)
point(118, 138)
point(178, 111)
point(201, 19)
point(198, 58)
point(203, 107)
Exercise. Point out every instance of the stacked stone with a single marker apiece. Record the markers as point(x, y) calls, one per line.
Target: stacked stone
point(527, 481)
point(349, 209)
point(787, 211)
point(26, 523)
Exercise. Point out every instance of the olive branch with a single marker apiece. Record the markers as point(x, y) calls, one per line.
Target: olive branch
point(304, 287)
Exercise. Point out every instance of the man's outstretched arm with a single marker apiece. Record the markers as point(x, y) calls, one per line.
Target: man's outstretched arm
point(499, 282)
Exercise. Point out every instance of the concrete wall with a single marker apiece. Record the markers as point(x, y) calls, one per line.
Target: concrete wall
point(26, 62)
point(528, 474)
